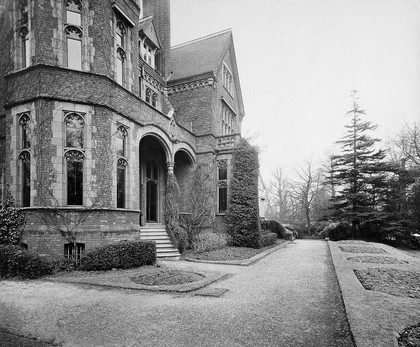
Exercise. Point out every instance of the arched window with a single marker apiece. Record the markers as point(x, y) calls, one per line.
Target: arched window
point(222, 185)
point(74, 47)
point(24, 44)
point(154, 99)
point(121, 143)
point(74, 130)
point(24, 121)
point(120, 38)
point(74, 163)
point(121, 174)
point(148, 95)
point(74, 12)
point(25, 158)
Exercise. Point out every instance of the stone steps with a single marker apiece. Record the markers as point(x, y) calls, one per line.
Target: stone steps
point(164, 247)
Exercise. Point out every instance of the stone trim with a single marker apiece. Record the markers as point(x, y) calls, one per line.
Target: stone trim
point(191, 85)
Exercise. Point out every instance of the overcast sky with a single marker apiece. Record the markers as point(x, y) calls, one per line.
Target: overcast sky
point(299, 60)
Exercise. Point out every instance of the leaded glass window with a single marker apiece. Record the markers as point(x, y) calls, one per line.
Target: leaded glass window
point(74, 162)
point(74, 130)
point(24, 122)
point(25, 157)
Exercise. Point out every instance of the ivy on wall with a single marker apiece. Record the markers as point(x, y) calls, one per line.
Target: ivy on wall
point(242, 217)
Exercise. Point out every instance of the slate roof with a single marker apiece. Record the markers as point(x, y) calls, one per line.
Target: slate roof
point(147, 27)
point(199, 56)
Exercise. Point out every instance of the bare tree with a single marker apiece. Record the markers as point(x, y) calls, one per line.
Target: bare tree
point(307, 190)
point(280, 195)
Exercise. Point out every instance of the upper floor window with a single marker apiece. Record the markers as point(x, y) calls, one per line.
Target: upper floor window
point(228, 121)
point(24, 45)
point(147, 53)
point(74, 12)
point(227, 79)
point(74, 130)
point(120, 40)
point(24, 122)
point(74, 47)
point(148, 95)
point(23, 53)
point(23, 12)
point(154, 99)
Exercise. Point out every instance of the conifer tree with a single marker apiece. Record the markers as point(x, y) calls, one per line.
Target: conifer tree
point(359, 172)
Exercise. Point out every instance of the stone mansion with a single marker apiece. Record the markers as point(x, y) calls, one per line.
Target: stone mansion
point(97, 108)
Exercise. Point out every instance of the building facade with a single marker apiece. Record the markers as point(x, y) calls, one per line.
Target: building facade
point(98, 109)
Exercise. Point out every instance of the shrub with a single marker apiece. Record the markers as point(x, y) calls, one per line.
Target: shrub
point(242, 217)
point(268, 239)
point(12, 221)
point(209, 241)
point(19, 263)
point(274, 227)
point(124, 255)
point(338, 231)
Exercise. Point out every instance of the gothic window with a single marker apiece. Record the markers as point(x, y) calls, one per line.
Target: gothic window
point(74, 12)
point(74, 163)
point(222, 186)
point(120, 39)
point(228, 121)
point(25, 158)
point(147, 53)
point(148, 95)
point(121, 144)
point(74, 47)
point(73, 252)
point(24, 121)
point(154, 99)
point(121, 141)
point(74, 130)
point(121, 174)
point(227, 79)
point(23, 43)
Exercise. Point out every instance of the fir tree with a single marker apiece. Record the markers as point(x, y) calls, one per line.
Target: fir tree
point(359, 173)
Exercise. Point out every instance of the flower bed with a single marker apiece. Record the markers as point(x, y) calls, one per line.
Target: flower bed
point(391, 281)
point(377, 260)
point(361, 249)
point(152, 276)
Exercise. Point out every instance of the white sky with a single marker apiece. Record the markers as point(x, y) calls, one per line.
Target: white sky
point(299, 60)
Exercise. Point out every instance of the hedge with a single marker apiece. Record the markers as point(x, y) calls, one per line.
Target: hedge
point(268, 239)
point(16, 262)
point(124, 255)
point(242, 217)
point(274, 227)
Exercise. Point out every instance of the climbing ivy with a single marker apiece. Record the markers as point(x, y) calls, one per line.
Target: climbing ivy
point(242, 217)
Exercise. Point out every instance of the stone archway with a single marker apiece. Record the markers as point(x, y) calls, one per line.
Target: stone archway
point(153, 172)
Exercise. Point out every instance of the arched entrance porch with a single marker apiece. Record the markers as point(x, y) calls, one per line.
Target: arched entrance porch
point(153, 171)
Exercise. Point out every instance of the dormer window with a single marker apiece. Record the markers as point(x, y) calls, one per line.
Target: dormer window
point(147, 53)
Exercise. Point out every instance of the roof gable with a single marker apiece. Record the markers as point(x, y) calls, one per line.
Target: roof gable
point(147, 28)
point(200, 56)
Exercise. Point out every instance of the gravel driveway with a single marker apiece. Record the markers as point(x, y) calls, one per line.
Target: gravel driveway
point(289, 298)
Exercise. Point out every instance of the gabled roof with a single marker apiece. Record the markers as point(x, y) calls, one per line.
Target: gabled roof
point(199, 56)
point(148, 29)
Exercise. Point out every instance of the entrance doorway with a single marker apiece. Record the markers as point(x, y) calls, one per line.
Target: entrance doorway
point(152, 180)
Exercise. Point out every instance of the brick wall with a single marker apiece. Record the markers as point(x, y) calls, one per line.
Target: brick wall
point(102, 226)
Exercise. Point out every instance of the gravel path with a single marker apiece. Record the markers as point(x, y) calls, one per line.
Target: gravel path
point(289, 298)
